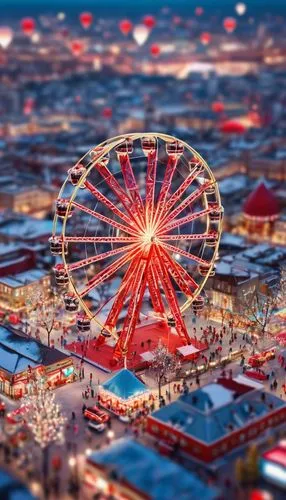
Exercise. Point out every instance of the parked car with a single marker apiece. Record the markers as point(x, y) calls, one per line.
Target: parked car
point(96, 414)
point(257, 374)
point(95, 426)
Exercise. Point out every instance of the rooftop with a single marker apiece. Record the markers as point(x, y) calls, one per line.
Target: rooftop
point(17, 352)
point(124, 384)
point(152, 474)
point(213, 411)
point(261, 203)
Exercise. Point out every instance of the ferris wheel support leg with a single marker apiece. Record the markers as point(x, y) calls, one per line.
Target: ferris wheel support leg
point(153, 285)
point(171, 298)
point(179, 274)
point(137, 293)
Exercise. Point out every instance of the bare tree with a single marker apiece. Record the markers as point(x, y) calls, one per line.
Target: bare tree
point(42, 310)
point(258, 306)
point(163, 365)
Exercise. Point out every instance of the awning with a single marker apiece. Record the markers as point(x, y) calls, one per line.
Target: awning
point(187, 350)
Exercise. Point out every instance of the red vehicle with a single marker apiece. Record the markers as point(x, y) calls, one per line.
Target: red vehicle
point(96, 414)
point(256, 373)
point(260, 358)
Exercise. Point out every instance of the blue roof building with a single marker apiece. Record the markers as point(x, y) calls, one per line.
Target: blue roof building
point(12, 489)
point(129, 468)
point(216, 418)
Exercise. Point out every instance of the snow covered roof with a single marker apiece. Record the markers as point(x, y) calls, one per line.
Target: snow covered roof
point(124, 385)
point(150, 473)
point(18, 352)
point(25, 278)
point(217, 409)
point(186, 350)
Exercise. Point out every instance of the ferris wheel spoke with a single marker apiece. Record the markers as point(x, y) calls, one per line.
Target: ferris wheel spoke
point(184, 220)
point(181, 272)
point(188, 255)
point(131, 185)
point(98, 257)
point(136, 297)
point(186, 237)
point(153, 286)
point(122, 293)
point(99, 239)
point(109, 271)
point(184, 186)
point(114, 185)
point(100, 197)
point(171, 297)
point(150, 185)
point(105, 219)
point(169, 172)
point(190, 199)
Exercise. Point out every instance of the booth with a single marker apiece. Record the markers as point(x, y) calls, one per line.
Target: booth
point(123, 393)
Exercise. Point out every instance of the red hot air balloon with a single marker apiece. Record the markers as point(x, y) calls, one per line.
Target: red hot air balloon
point(125, 26)
point(155, 50)
point(86, 19)
point(149, 22)
point(218, 107)
point(199, 11)
point(77, 47)
point(229, 24)
point(107, 113)
point(232, 127)
point(28, 26)
point(205, 38)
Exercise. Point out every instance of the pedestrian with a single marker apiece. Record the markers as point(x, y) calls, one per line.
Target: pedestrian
point(73, 415)
point(175, 388)
point(83, 408)
point(82, 372)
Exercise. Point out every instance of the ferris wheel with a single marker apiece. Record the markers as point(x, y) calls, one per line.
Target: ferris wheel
point(140, 212)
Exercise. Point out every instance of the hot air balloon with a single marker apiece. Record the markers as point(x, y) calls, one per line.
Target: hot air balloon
point(77, 47)
point(149, 22)
point(199, 11)
point(6, 36)
point(232, 127)
point(28, 25)
point(86, 19)
point(140, 34)
point(229, 24)
point(155, 50)
point(125, 26)
point(218, 107)
point(240, 8)
point(205, 38)
point(107, 113)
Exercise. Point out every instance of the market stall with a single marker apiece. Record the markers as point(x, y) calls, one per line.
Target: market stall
point(123, 393)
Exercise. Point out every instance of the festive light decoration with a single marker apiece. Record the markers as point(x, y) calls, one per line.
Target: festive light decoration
point(163, 364)
point(43, 415)
point(43, 309)
point(149, 22)
point(147, 229)
point(86, 19)
point(28, 26)
point(205, 38)
point(155, 50)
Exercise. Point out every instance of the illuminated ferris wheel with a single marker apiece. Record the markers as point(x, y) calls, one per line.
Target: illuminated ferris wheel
point(142, 212)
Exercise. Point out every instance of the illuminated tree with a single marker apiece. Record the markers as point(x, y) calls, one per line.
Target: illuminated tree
point(44, 419)
point(42, 310)
point(163, 365)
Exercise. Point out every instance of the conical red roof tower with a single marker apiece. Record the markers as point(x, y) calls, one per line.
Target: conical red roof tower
point(261, 204)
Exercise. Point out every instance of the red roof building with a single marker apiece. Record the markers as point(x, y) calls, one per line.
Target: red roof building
point(261, 205)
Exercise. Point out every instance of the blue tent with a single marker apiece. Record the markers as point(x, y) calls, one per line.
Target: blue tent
point(124, 385)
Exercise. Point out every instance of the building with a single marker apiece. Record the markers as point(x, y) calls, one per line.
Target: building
point(21, 357)
point(129, 470)
point(123, 393)
point(16, 288)
point(27, 199)
point(214, 420)
point(12, 488)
